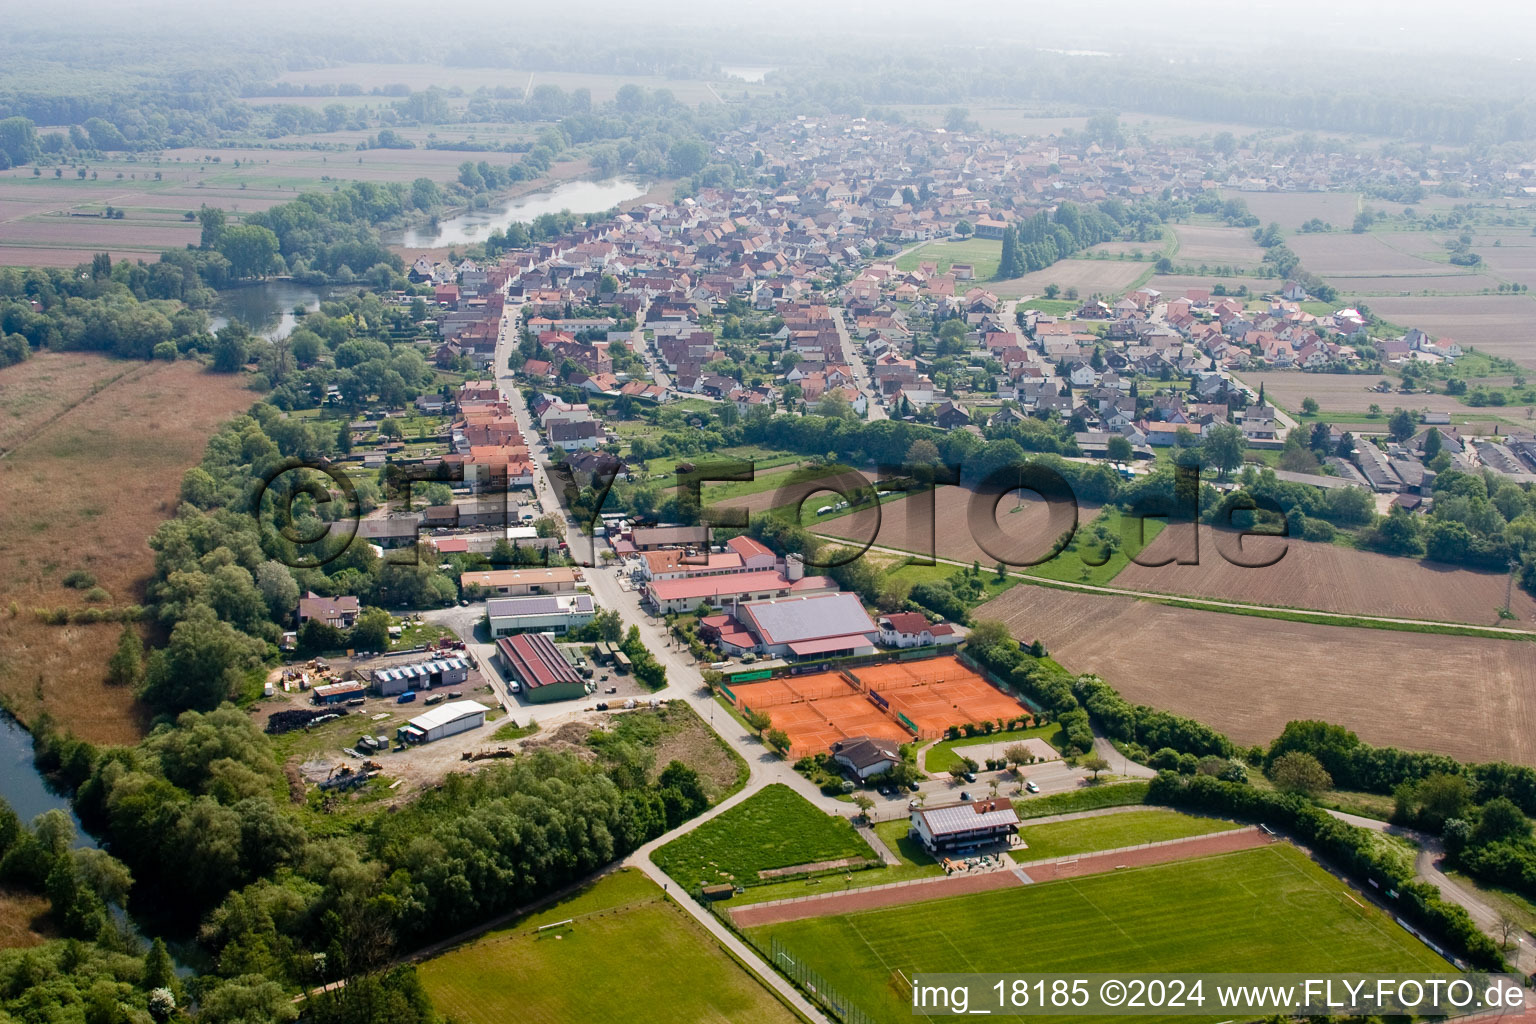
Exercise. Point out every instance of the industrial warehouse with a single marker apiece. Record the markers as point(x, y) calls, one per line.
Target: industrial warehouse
point(423, 675)
point(538, 668)
point(443, 721)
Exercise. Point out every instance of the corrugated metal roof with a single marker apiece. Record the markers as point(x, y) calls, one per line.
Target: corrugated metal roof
point(797, 620)
point(443, 714)
point(965, 817)
point(537, 604)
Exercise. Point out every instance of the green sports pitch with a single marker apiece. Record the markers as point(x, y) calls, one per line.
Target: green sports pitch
point(1267, 909)
point(628, 954)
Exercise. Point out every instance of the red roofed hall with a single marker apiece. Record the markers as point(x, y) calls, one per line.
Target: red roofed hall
point(538, 670)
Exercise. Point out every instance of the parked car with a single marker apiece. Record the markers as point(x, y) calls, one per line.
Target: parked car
point(964, 795)
point(969, 776)
point(405, 698)
point(1030, 785)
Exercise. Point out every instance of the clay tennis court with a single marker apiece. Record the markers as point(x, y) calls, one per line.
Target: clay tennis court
point(873, 898)
point(816, 711)
point(938, 693)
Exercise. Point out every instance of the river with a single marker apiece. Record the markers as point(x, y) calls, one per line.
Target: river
point(474, 225)
point(266, 308)
point(23, 786)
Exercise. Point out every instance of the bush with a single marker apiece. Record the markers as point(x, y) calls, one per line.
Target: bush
point(79, 579)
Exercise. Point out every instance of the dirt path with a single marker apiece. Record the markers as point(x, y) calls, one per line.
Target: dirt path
point(926, 889)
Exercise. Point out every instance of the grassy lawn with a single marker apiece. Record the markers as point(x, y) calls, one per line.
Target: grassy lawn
point(414, 634)
point(1367, 805)
point(991, 586)
point(1111, 832)
point(1268, 909)
point(1075, 563)
point(631, 954)
point(983, 254)
point(907, 850)
point(1089, 798)
point(941, 757)
point(775, 828)
point(1052, 307)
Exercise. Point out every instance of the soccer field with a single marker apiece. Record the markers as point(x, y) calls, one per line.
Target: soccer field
point(1269, 909)
point(630, 955)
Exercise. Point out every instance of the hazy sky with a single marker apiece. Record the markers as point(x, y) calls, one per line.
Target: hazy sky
point(1499, 30)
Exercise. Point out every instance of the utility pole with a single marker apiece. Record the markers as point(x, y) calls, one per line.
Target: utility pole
point(1509, 588)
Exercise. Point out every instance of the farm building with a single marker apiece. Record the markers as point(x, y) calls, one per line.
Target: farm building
point(521, 582)
point(423, 675)
point(536, 664)
point(956, 828)
point(334, 693)
point(443, 721)
point(551, 613)
point(866, 756)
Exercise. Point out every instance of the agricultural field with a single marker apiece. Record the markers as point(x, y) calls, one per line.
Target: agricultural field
point(1174, 286)
point(1248, 675)
point(1112, 832)
point(1450, 281)
point(1025, 529)
point(1327, 577)
point(1499, 325)
point(1349, 393)
point(1363, 255)
point(629, 954)
point(1234, 912)
point(1293, 209)
point(1218, 244)
point(1105, 278)
point(91, 465)
point(774, 828)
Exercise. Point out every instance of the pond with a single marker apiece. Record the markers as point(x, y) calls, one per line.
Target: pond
point(23, 786)
point(474, 225)
point(266, 308)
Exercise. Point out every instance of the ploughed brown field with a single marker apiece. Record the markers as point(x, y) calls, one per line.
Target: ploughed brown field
point(93, 453)
point(1325, 577)
point(1292, 209)
point(1499, 325)
point(1348, 392)
point(1089, 277)
point(1217, 243)
point(1364, 255)
point(1471, 698)
point(1020, 536)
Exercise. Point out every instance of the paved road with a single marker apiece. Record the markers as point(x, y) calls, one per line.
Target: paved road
point(855, 359)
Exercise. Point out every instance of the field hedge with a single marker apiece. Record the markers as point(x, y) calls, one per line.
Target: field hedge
point(1357, 765)
point(1348, 847)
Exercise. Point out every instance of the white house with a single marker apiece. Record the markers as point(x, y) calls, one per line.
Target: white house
point(912, 629)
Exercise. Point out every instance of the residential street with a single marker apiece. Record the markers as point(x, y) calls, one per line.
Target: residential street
point(855, 359)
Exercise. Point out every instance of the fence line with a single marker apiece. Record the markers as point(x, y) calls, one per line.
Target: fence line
point(799, 973)
point(935, 879)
